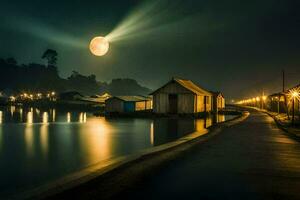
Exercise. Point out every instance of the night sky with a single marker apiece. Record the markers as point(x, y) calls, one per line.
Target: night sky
point(238, 47)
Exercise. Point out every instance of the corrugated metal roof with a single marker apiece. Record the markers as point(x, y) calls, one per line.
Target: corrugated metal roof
point(132, 98)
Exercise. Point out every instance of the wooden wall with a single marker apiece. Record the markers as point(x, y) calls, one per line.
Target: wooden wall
point(188, 102)
point(218, 103)
point(114, 105)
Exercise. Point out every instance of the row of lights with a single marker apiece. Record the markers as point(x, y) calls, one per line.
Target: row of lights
point(252, 100)
point(32, 96)
point(293, 94)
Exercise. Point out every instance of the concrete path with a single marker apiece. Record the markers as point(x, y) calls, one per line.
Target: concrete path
point(252, 160)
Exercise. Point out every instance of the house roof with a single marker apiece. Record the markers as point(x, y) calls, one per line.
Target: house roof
point(132, 98)
point(217, 94)
point(189, 85)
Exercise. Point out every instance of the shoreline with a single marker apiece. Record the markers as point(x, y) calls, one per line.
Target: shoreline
point(119, 167)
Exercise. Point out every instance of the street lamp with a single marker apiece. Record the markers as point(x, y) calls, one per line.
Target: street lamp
point(264, 98)
point(257, 102)
point(294, 94)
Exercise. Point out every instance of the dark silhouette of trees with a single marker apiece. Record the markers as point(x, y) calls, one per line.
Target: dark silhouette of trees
point(51, 56)
point(11, 61)
point(35, 77)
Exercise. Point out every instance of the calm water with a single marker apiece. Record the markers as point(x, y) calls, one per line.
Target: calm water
point(37, 146)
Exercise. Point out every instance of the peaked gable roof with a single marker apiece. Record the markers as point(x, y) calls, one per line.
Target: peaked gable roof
point(217, 94)
point(189, 85)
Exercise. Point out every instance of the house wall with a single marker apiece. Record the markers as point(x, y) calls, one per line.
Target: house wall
point(114, 105)
point(186, 103)
point(218, 103)
point(185, 99)
point(199, 103)
point(129, 106)
point(209, 100)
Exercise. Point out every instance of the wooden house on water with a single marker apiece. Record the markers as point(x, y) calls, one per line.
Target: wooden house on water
point(180, 96)
point(218, 101)
point(127, 104)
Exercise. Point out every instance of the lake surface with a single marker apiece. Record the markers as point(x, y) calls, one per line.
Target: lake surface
point(38, 146)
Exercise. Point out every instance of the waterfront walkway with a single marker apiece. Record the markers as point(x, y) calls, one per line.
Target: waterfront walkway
point(251, 160)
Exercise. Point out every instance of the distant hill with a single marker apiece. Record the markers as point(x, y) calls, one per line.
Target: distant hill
point(124, 87)
point(41, 78)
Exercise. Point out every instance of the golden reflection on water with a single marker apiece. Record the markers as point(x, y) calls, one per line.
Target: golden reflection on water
point(152, 133)
point(208, 122)
point(45, 118)
point(82, 117)
point(44, 138)
point(200, 124)
point(29, 135)
point(68, 117)
point(53, 115)
point(97, 139)
point(29, 118)
point(21, 114)
point(220, 118)
point(12, 110)
point(1, 117)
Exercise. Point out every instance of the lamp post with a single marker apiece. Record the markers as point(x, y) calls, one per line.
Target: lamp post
point(278, 105)
point(295, 94)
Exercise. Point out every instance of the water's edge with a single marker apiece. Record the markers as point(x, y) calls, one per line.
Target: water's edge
point(96, 171)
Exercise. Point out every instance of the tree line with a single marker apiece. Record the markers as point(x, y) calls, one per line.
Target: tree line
point(36, 77)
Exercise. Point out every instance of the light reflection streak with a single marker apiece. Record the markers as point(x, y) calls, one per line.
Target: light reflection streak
point(84, 117)
point(1, 117)
point(208, 122)
point(68, 117)
point(53, 115)
point(152, 133)
point(44, 137)
point(97, 141)
point(29, 134)
point(12, 110)
point(220, 118)
point(21, 114)
point(29, 118)
point(80, 117)
point(45, 118)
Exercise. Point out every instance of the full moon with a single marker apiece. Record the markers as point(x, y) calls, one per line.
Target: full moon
point(99, 46)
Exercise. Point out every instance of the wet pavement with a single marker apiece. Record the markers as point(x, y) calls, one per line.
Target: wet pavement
point(251, 160)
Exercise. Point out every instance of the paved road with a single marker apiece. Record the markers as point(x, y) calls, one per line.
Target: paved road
point(252, 160)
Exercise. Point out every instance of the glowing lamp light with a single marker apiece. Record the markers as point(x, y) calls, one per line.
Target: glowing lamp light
point(99, 46)
point(264, 98)
point(295, 94)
